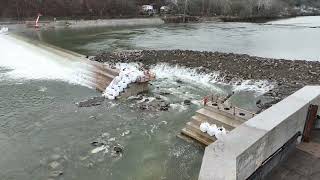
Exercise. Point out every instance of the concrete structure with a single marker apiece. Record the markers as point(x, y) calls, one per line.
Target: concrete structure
point(218, 113)
point(302, 164)
point(245, 148)
point(92, 74)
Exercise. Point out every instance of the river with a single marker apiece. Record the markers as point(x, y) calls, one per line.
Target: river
point(42, 131)
point(296, 38)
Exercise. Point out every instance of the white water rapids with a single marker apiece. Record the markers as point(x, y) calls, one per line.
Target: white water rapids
point(28, 61)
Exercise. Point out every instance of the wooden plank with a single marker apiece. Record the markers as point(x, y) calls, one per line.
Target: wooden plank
point(201, 119)
point(197, 137)
point(214, 116)
point(310, 148)
point(196, 129)
point(311, 118)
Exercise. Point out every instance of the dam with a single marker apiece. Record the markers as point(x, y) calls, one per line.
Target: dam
point(41, 125)
point(82, 73)
point(80, 69)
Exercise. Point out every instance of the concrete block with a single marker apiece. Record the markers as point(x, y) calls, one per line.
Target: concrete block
point(249, 145)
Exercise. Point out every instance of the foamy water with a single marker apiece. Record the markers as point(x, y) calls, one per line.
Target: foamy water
point(259, 87)
point(27, 61)
point(208, 80)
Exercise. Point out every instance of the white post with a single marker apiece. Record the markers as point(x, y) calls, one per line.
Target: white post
point(37, 20)
point(185, 7)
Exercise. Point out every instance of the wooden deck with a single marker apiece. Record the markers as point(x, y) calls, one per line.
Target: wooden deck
point(214, 113)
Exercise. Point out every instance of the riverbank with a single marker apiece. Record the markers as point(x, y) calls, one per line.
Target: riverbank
point(98, 23)
point(287, 75)
point(143, 21)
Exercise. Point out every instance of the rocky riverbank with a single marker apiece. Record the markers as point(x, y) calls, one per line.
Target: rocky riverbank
point(287, 75)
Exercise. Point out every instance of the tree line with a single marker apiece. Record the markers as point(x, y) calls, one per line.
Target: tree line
point(130, 8)
point(243, 8)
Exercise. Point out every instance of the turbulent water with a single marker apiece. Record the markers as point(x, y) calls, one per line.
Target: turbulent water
point(43, 133)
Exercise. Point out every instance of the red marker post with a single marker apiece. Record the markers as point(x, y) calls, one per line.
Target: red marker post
point(205, 100)
point(37, 20)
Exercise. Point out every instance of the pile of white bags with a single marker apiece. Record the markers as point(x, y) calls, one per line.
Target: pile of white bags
point(120, 83)
point(213, 130)
point(4, 30)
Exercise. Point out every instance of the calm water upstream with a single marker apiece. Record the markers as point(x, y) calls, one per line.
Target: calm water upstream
point(296, 38)
point(42, 131)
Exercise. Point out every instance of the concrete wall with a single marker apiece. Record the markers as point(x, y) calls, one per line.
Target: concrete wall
point(245, 148)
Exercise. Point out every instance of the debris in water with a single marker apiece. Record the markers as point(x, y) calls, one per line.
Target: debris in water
point(42, 89)
point(55, 157)
point(56, 173)
point(105, 134)
point(179, 81)
point(54, 165)
point(143, 107)
point(164, 93)
point(118, 149)
point(96, 143)
point(95, 101)
point(4, 30)
point(112, 139)
point(98, 149)
point(164, 106)
point(164, 122)
point(187, 102)
point(125, 133)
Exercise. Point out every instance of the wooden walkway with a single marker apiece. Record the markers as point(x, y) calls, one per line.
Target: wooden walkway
point(214, 113)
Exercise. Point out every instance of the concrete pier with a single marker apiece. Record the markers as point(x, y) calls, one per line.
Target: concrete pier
point(245, 148)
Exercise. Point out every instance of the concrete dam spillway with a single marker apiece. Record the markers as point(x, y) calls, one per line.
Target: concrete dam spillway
point(42, 61)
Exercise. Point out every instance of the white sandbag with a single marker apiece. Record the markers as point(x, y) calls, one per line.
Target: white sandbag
point(134, 78)
point(128, 74)
point(122, 74)
point(116, 80)
point(116, 89)
point(111, 91)
point(127, 80)
point(212, 130)
point(124, 84)
point(120, 88)
point(116, 93)
point(108, 89)
point(221, 133)
point(204, 127)
point(111, 97)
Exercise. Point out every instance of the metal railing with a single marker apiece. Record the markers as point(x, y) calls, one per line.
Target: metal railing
point(236, 111)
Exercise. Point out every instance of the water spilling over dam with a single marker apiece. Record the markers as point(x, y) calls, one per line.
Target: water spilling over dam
point(40, 123)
